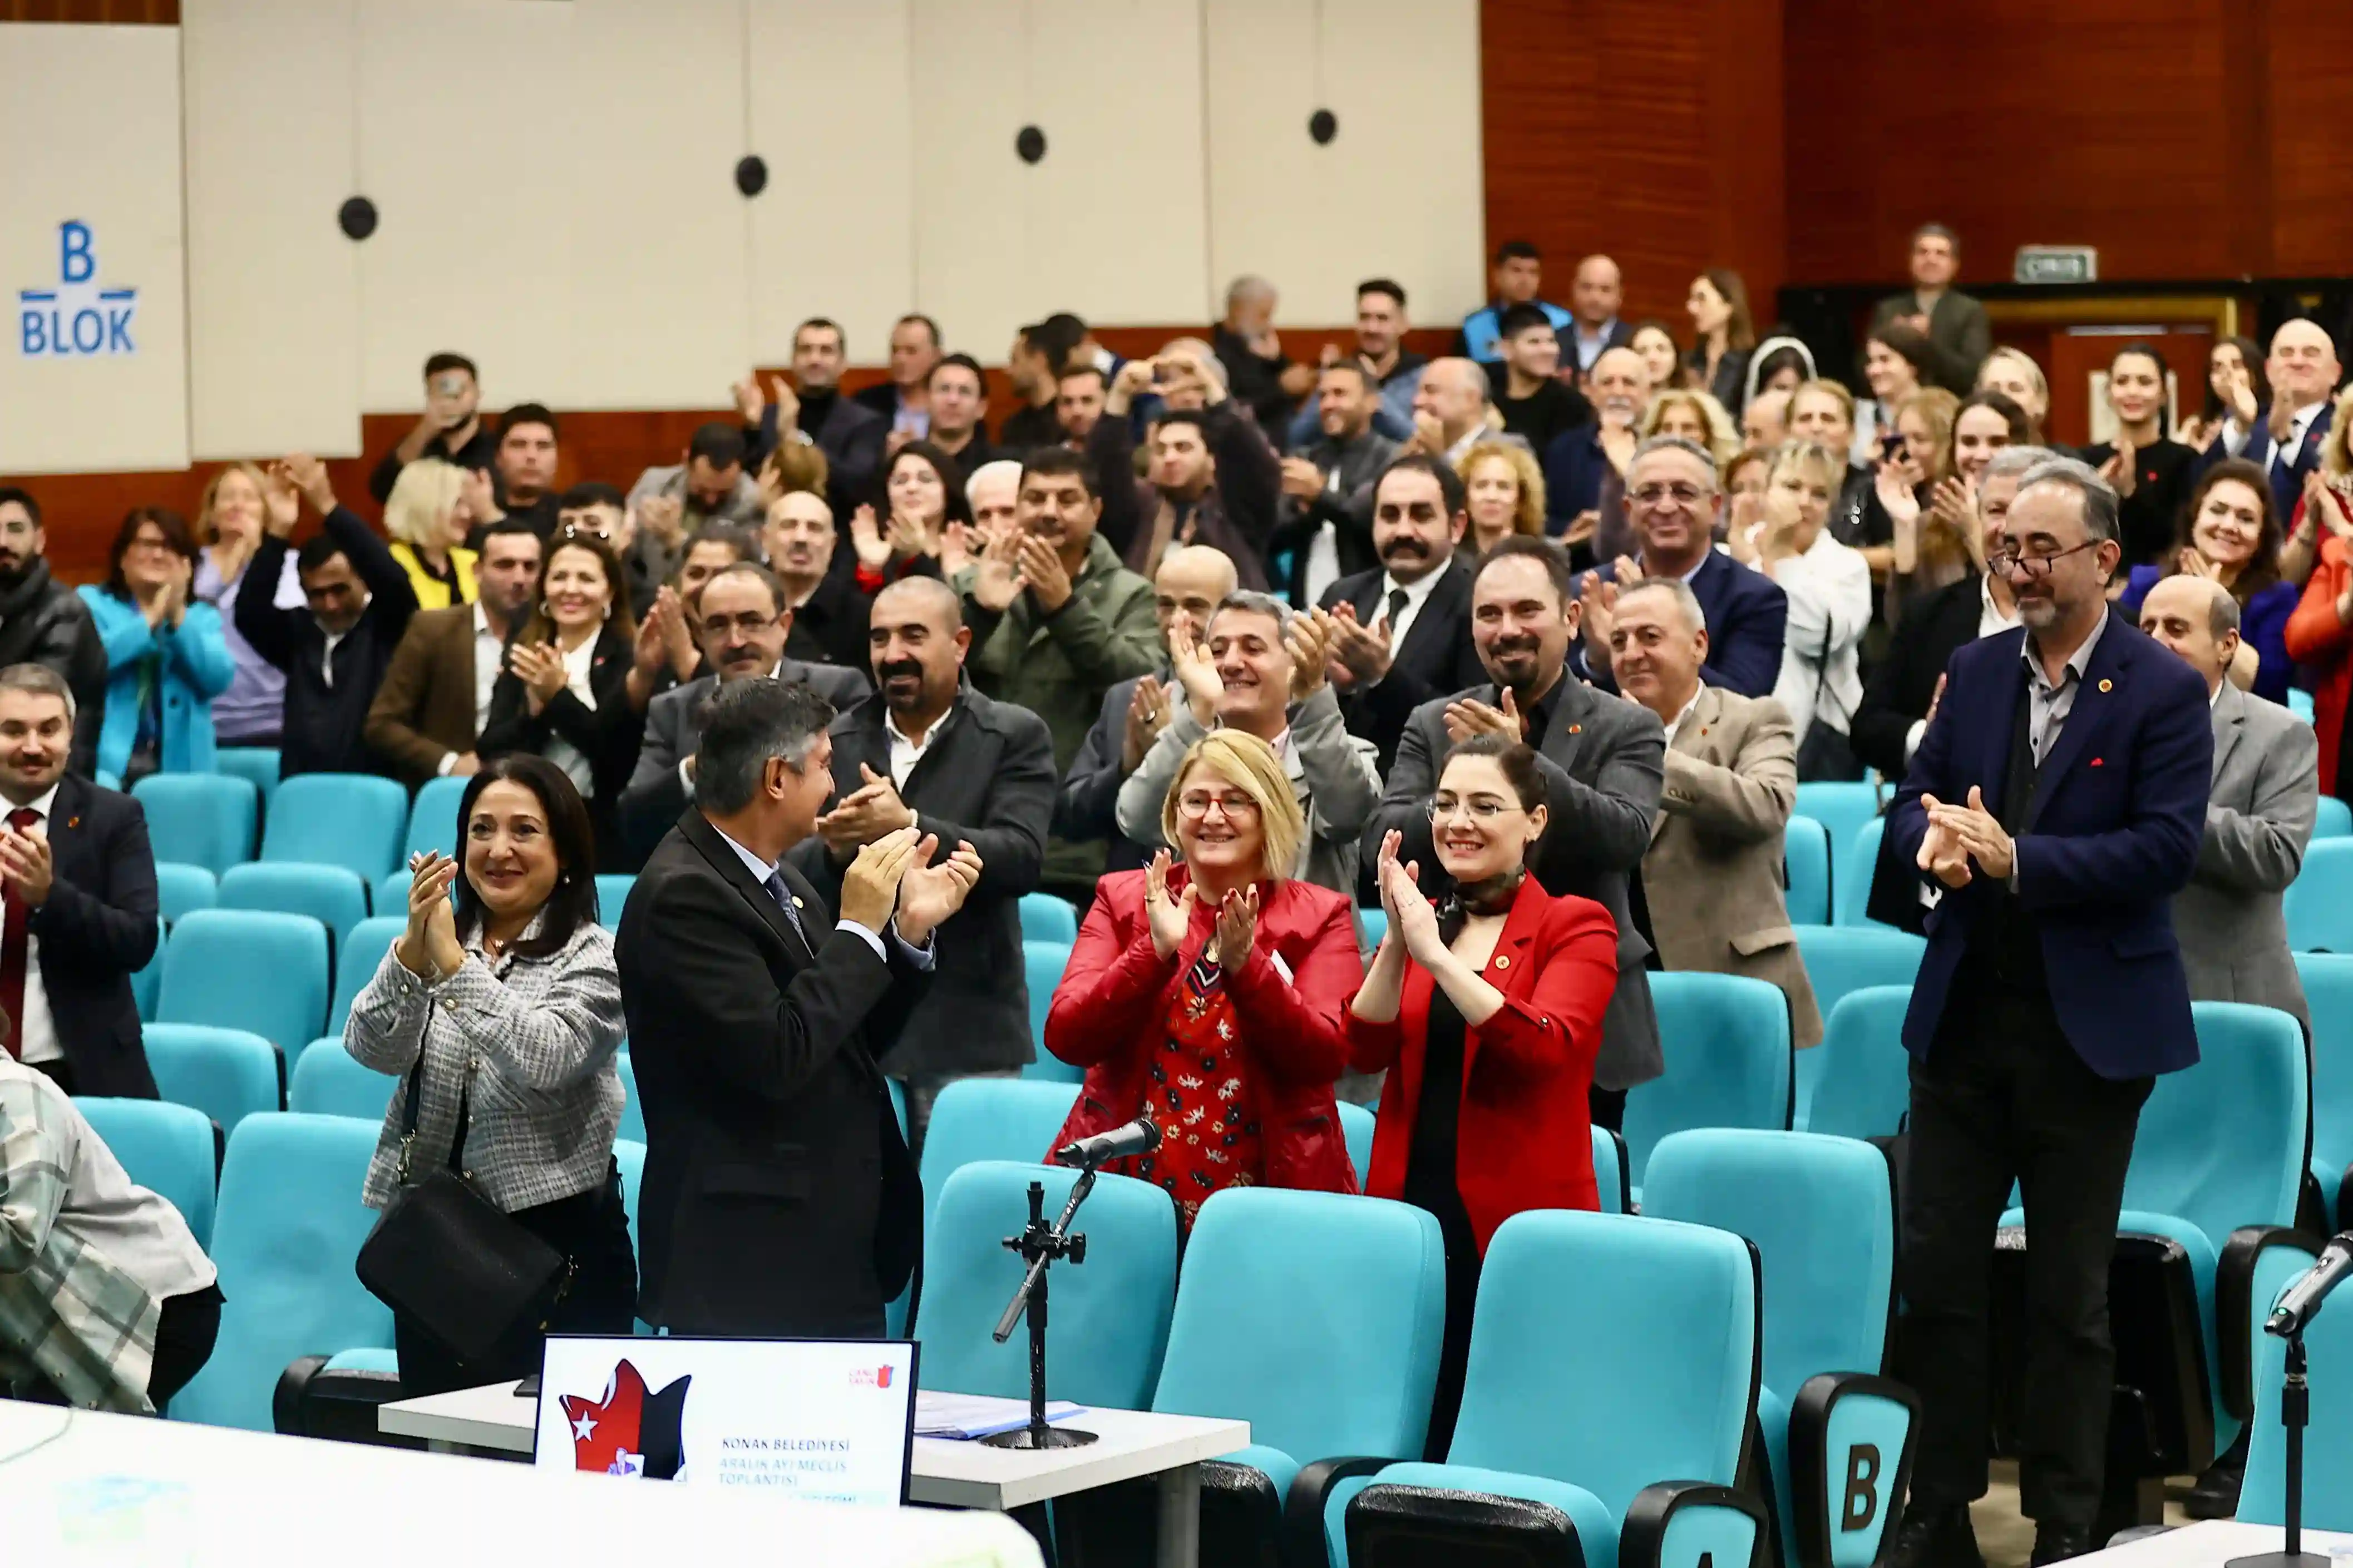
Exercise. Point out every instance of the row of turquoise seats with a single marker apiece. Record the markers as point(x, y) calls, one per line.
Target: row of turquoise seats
point(332, 895)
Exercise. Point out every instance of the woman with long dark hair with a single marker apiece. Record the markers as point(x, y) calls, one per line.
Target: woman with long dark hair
point(2236, 389)
point(2230, 534)
point(499, 1010)
point(1724, 337)
point(2149, 470)
point(921, 529)
point(166, 658)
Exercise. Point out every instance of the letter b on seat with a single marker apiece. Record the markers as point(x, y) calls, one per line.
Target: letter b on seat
point(1843, 1428)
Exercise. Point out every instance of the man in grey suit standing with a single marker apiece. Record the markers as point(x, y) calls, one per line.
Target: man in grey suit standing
point(2259, 818)
point(1604, 762)
point(739, 615)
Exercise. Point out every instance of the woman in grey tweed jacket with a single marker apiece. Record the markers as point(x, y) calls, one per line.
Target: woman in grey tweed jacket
point(508, 1004)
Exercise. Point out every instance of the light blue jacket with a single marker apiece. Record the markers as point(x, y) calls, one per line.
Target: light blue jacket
point(196, 668)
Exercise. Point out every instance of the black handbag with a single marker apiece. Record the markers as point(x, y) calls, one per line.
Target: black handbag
point(454, 1262)
point(1825, 752)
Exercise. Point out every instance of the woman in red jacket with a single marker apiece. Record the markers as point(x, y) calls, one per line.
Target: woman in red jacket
point(2321, 638)
point(1208, 995)
point(1489, 1009)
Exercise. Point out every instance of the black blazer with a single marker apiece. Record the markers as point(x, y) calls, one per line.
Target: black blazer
point(987, 780)
point(779, 1199)
point(97, 929)
point(1897, 695)
point(608, 735)
point(1437, 659)
point(326, 723)
point(1086, 811)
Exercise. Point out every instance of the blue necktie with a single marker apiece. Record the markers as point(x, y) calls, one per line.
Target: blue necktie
point(783, 894)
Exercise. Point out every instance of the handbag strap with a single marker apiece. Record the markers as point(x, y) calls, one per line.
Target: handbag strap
point(415, 1096)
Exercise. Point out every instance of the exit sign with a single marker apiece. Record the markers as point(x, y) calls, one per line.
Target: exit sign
point(2056, 264)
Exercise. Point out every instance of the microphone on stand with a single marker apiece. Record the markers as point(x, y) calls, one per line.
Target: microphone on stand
point(2312, 1287)
point(1138, 1137)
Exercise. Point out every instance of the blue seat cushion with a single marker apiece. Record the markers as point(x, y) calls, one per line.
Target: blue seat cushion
point(1273, 1463)
point(372, 1358)
point(1597, 1527)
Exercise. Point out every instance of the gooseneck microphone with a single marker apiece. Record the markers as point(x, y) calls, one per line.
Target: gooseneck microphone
point(1138, 1137)
point(2312, 1287)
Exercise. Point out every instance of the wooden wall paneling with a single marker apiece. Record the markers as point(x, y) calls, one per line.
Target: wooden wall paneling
point(2300, 96)
point(108, 12)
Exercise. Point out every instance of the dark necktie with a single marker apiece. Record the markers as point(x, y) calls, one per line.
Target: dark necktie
point(12, 943)
point(1397, 598)
point(784, 897)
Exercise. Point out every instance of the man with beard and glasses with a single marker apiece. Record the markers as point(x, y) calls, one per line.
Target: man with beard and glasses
point(436, 695)
point(1400, 632)
point(741, 617)
point(928, 752)
point(44, 622)
point(2054, 808)
point(1604, 762)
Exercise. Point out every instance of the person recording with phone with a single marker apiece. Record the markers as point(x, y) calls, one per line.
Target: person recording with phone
point(1206, 994)
point(1486, 1009)
point(451, 428)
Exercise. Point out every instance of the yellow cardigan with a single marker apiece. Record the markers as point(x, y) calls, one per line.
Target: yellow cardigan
point(432, 593)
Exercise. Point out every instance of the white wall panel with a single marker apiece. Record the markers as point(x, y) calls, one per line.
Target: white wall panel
point(832, 114)
point(658, 246)
point(466, 112)
point(1400, 191)
point(90, 133)
point(273, 285)
point(1110, 223)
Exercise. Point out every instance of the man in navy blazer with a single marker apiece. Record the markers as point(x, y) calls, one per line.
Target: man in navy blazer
point(1673, 491)
point(1575, 461)
point(2285, 434)
point(2055, 803)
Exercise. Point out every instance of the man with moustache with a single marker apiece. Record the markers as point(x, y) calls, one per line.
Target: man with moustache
point(928, 752)
point(1603, 760)
point(741, 618)
point(1325, 519)
point(1401, 631)
point(44, 622)
point(828, 625)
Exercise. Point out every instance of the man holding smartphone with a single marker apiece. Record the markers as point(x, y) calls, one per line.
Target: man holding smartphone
point(451, 425)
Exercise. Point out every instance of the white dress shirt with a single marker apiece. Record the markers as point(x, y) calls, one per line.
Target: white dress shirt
point(38, 1042)
point(490, 657)
point(2237, 436)
point(1417, 594)
point(1676, 725)
point(906, 754)
point(577, 663)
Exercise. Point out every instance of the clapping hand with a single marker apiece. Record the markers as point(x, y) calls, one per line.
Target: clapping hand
point(1975, 832)
point(1170, 918)
point(665, 517)
point(866, 814)
point(998, 581)
point(1236, 927)
point(1894, 486)
point(1412, 921)
point(1042, 570)
point(1467, 717)
point(928, 894)
point(866, 538)
point(1147, 715)
point(1598, 612)
point(430, 946)
point(541, 669)
point(1360, 655)
point(310, 475)
point(1302, 480)
point(2121, 468)
point(1195, 672)
point(1309, 643)
point(870, 887)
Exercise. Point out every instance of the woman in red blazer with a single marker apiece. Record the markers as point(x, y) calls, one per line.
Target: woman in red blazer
point(1488, 1008)
point(1208, 995)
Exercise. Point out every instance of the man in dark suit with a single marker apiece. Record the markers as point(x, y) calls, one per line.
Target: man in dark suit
point(1402, 630)
point(928, 752)
point(779, 1200)
point(78, 888)
point(2055, 807)
point(1604, 762)
point(436, 696)
point(44, 621)
point(2283, 436)
point(1578, 460)
point(1960, 336)
point(851, 435)
point(1673, 493)
point(739, 618)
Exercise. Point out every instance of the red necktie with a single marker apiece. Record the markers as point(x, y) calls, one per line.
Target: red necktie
point(11, 947)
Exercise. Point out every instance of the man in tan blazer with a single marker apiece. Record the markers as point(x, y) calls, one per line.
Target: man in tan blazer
point(1713, 875)
point(437, 691)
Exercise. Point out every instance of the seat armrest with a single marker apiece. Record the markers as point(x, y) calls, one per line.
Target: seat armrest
point(2234, 1279)
point(1851, 1443)
point(1676, 1523)
point(1301, 1545)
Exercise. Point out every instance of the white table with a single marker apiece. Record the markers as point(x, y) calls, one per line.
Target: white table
point(1130, 1445)
point(2211, 1544)
point(87, 1489)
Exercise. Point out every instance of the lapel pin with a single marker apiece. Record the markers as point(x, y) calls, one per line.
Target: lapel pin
point(796, 902)
point(2099, 762)
point(73, 821)
point(2107, 685)
point(1577, 728)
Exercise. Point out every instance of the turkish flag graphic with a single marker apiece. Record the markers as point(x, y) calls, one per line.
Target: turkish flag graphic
point(631, 1432)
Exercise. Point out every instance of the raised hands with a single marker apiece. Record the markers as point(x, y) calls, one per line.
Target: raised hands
point(1309, 643)
point(1466, 717)
point(1360, 655)
point(430, 946)
point(870, 887)
point(1169, 917)
point(1236, 927)
point(1147, 715)
point(1195, 672)
point(928, 894)
point(866, 538)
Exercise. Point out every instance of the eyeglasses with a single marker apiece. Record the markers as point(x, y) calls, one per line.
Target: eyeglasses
point(1683, 495)
point(1482, 809)
point(1194, 804)
point(2012, 562)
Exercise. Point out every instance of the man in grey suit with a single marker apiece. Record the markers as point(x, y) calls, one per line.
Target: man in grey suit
point(1959, 336)
point(2259, 816)
point(739, 615)
point(1604, 762)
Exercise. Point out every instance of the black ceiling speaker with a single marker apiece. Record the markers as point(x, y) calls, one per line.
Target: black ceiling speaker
point(1323, 125)
point(356, 217)
point(750, 173)
point(1031, 144)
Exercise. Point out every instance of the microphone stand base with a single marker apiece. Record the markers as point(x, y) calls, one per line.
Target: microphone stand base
point(2279, 1560)
point(1035, 1438)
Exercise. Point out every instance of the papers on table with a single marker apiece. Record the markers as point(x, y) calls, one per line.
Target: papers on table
point(963, 1416)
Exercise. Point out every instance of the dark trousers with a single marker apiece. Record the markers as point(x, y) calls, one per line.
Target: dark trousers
point(2003, 1097)
point(592, 1229)
point(186, 1327)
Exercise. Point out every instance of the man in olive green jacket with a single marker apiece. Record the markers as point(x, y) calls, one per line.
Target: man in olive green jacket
point(1055, 622)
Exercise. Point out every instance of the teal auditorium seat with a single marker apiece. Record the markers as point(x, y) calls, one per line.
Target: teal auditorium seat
point(1851, 894)
point(1847, 957)
point(1045, 918)
point(1611, 1174)
point(979, 1119)
point(2319, 914)
point(1357, 1125)
point(286, 1238)
point(2217, 1164)
point(180, 888)
point(147, 983)
point(357, 821)
point(433, 819)
point(358, 959)
point(1861, 1085)
point(1806, 869)
point(1374, 924)
point(612, 896)
point(166, 1148)
point(199, 819)
point(1613, 1369)
point(1821, 1215)
point(1841, 808)
point(1726, 1042)
point(1109, 1322)
point(247, 969)
point(327, 1082)
point(1042, 964)
point(2328, 1439)
point(2299, 702)
point(227, 1073)
point(2329, 993)
point(1317, 1318)
point(2335, 819)
point(333, 897)
point(255, 764)
point(633, 1111)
